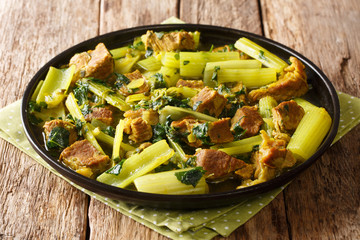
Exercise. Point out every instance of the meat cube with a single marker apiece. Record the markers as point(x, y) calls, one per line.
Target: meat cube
point(83, 155)
point(103, 114)
point(287, 116)
point(143, 87)
point(249, 119)
point(138, 129)
point(96, 63)
point(218, 165)
point(149, 115)
point(292, 84)
point(209, 101)
point(190, 83)
point(219, 131)
point(168, 41)
point(184, 127)
point(50, 125)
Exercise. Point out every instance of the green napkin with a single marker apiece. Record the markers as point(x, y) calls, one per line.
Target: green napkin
point(177, 224)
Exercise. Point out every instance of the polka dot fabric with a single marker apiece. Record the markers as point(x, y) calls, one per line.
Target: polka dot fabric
point(175, 224)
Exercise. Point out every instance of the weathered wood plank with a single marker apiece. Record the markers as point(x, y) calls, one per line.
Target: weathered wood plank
point(242, 14)
point(324, 202)
point(35, 204)
point(116, 15)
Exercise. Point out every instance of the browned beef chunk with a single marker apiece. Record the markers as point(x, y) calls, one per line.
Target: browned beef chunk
point(83, 155)
point(103, 114)
point(50, 125)
point(219, 131)
point(169, 41)
point(190, 83)
point(292, 84)
point(209, 101)
point(219, 165)
point(149, 115)
point(139, 129)
point(96, 63)
point(287, 116)
point(184, 126)
point(143, 87)
point(249, 119)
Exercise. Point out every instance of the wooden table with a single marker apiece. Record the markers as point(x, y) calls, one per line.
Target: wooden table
point(322, 203)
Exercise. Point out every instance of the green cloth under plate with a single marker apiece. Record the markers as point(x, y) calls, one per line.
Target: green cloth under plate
point(177, 224)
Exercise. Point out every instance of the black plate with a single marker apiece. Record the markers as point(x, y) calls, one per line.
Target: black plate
point(322, 94)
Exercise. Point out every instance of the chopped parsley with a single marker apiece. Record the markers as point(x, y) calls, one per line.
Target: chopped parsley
point(186, 62)
point(115, 170)
point(262, 55)
point(109, 130)
point(200, 131)
point(36, 107)
point(159, 81)
point(58, 138)
point(177, 56)
point(191, 177)
point(149, 52)
point(120, 80)
point(238, 130)
point(81, 93)
point(215, 73)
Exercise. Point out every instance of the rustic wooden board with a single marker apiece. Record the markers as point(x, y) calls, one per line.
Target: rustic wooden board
point(324, 202)
point(35, 204)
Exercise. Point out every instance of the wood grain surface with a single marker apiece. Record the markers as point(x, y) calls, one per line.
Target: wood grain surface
point(322, 203)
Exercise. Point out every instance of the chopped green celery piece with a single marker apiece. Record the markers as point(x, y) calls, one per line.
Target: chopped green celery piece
point(51, 113)
point(251, 78)
point(170, 75)
point(73, 107)
point(265, 105)
point(171, 60)
point(103, 137)
point(55, 86)
point(177, 148)
point(109, 95)
point(124, 65)
point(196, 37)
point(255, 51)
point(177, 113)
point(37, 90)
point(192, 64)
point(231, 64)
point(184, 92)
point(167, 183)
point(136, 97)
point(239, 147)
point(120, 52)
point(118, 139)
point(304, 104)
point(310, 132)
point(139, 164)
point(150, 64)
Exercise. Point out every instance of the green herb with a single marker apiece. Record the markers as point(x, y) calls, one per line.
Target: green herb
point(186, 62)
point(200, 131)
point(34, 107)
point(262, 56)
point(86, 109)
point(133, 90)
point(191, 177)
point(109, 130)
point(196, 105)
point(177, 56)
point(99, 81)
point(34, 120)
point(223, 89)
point(191, 161)
point(242, 91)
point(215, 73)
point(159, 35)
point(81, 93)
point(137, 45)
point(166, 167)
point(159, 81)
point(99, 106)
point(231, 47)
point(58, 138)
point(211, 48)
point(159, 133)
point(238, 130)
point(115, 170)
point(255, 148)
point(149, 52)
point(173, 101)
point(120, 80)
point(78, 125)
